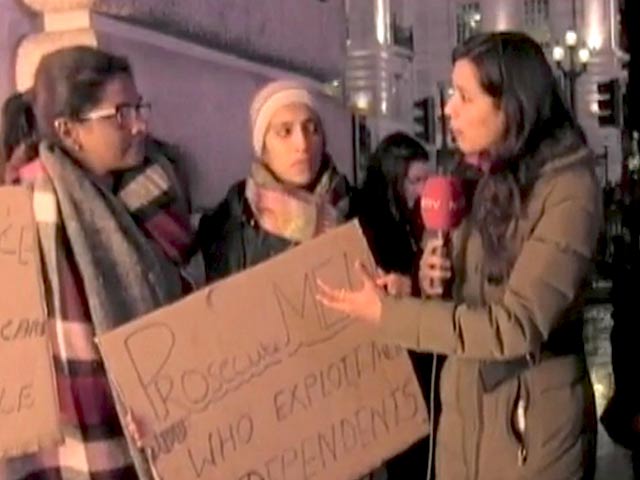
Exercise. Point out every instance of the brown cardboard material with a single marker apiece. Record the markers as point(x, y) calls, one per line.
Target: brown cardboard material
point(253, 379)
point(29, 418)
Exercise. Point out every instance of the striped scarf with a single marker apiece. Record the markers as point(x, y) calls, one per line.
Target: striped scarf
point(294, 213)
point(108, 257)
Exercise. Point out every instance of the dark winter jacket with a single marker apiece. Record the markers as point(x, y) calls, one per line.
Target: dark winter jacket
point(231, 238)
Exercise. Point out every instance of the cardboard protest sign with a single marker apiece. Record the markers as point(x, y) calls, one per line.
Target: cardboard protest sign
point(253, 379)
point(28, 400)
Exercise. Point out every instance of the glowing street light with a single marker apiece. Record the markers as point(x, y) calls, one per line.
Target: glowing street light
point(578, 58)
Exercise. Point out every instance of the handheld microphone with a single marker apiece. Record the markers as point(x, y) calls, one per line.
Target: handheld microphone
point(442, 207)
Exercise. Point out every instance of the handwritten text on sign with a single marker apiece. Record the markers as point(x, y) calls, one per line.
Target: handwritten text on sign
point(253, 379)
point(28, 405)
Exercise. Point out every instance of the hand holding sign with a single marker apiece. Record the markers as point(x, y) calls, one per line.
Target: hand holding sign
point(215, 375)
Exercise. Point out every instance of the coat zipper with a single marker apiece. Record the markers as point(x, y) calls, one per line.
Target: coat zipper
point(480, 426)
point(519, 422)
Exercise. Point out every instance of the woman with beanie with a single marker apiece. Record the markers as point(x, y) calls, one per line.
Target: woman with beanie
point(293, 191)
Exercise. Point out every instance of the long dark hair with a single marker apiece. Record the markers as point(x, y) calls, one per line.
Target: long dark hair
point(18, 128)
point(514, 71)
point(388, 170)
point(68, 82)
point(389, 223)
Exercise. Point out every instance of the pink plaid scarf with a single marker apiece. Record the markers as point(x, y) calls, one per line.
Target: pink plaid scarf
point(294, 213)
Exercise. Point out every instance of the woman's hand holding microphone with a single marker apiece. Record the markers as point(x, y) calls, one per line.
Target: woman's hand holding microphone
point(435, 267)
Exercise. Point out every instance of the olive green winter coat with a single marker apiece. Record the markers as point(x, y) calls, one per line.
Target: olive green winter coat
point(538, 423)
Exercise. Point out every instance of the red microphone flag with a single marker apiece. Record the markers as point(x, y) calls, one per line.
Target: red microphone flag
point(442, 203)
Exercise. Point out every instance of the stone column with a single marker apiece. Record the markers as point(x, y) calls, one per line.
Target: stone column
point(16, 21)
point(64, 23)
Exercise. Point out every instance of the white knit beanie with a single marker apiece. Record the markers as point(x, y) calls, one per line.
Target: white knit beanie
point(269, 99)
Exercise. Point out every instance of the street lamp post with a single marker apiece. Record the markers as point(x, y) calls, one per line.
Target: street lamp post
point(361, 104)
point(577, 59)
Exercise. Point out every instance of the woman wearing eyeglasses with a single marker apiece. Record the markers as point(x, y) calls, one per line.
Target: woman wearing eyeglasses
point(517, 401)
point(113, 228)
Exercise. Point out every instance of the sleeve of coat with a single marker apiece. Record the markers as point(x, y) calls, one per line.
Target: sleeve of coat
point(213, 237)
point(548, 273)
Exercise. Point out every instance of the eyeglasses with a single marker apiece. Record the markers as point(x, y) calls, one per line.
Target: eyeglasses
point(124, 113)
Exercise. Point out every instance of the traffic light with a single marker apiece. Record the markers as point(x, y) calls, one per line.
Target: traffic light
point(609, 103)
point(424, 119)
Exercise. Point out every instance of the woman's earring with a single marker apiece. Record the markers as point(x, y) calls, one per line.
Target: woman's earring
point(64, 132)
